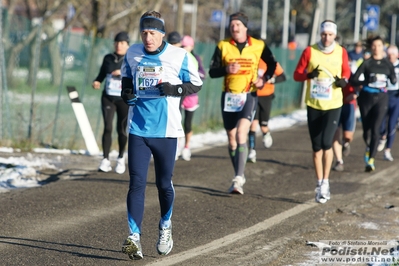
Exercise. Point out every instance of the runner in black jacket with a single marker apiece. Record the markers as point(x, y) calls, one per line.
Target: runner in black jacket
point(112, 102)
point(373, 98)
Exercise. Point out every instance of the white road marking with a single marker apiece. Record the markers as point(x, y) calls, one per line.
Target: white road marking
point(230, 239)
point(266, 224)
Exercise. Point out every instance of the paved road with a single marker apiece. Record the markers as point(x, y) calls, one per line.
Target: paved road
point(82, 220)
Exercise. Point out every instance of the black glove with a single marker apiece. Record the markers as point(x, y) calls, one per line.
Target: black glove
point(314, 73)
point(129, 97)
point(167, 89)
point(340, 82)
point(372, 79)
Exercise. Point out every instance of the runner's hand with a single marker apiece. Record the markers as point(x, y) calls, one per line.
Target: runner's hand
point(340, 82)
point(167, 89)
point(129, 97)
point(96, 85)
point(314, 73)
point(233, 68)
point(259, 83)
point(372, 79)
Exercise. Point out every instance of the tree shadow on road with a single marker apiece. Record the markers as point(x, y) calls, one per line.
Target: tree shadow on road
point(35, 244)
point(204, 190)
point(284, 164)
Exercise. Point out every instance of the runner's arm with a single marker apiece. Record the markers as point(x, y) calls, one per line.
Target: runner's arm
point(354, 80)
point(270, 61)
point(346, 70)
point(300, 73)
point(392, 74)
point(201, 70)
point(103, 69)
point(280, 78)
point(216, 69)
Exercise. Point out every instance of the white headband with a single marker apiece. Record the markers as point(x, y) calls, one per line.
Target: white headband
point(328, 26)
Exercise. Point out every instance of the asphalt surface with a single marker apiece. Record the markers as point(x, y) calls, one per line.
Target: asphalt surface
point(80, 218)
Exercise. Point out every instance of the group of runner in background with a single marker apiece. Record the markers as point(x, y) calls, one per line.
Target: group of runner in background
point(337, 83)
point(365, 78)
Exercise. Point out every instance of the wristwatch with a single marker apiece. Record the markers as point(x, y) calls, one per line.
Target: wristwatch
point(179, 90)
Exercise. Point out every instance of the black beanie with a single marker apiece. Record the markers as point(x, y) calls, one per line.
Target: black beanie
point(122, 36)
point(239, 16)
point(174, 37)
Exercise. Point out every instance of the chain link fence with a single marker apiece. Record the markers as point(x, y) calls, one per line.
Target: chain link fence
point(35, 73)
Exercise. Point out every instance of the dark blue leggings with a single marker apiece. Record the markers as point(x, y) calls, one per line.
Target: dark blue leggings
point(139, 156)
point(392, 115)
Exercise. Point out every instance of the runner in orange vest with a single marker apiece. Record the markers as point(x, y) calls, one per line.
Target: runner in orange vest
point(262, 115)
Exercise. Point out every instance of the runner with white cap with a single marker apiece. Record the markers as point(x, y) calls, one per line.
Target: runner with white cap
point(325, 69)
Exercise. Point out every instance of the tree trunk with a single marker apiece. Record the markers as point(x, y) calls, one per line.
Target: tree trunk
point(55, 57)
point(34, 61)
point(14, 52)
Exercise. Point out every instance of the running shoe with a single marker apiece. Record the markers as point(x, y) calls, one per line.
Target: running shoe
point(267, 140)
point(388, 156)
point(186, 154)
point(339, 167)
point(105, 166)
point(381, 144)
point(120, 165)
point(367, 155)
point(165, 241)
point(325, 190)
point(132, 247)
point(346, 149)
point(252, 156)
point(318, 197)
point(370, 165)
point(236, 186)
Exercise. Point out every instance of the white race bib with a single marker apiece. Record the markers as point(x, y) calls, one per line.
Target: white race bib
point(147, 77)
point(321, 88)
point(113, 85)
point(380, 83)
point(234, 102)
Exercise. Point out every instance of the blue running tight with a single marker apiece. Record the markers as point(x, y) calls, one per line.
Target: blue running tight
point(139, 156)
point(392, 115)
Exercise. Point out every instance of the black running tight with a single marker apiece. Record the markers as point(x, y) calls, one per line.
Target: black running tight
point(373, 108)
point(322, 125)
point(109, 107)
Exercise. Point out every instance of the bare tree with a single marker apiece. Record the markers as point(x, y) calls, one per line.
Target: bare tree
point(103, 19)
point(33, 10)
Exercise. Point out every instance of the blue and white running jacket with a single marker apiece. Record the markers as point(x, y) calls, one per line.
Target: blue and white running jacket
point(156, 116)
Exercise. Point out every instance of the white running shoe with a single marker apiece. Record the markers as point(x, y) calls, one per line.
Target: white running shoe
point(381, 144)
point(132, 247)
point(252, 156)
point(236, 186)
point(165, 241)
point(267, 140)
point(325, 190)
point(388, 156)
point(186, 154)
point(105, 165)
point(318, 197)
point(120, 165)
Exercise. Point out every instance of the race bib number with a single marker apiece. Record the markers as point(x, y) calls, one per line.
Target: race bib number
point(113, 85)
point(147, 77)
point(380, 83)
point(234, 102)
point(321, 89)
